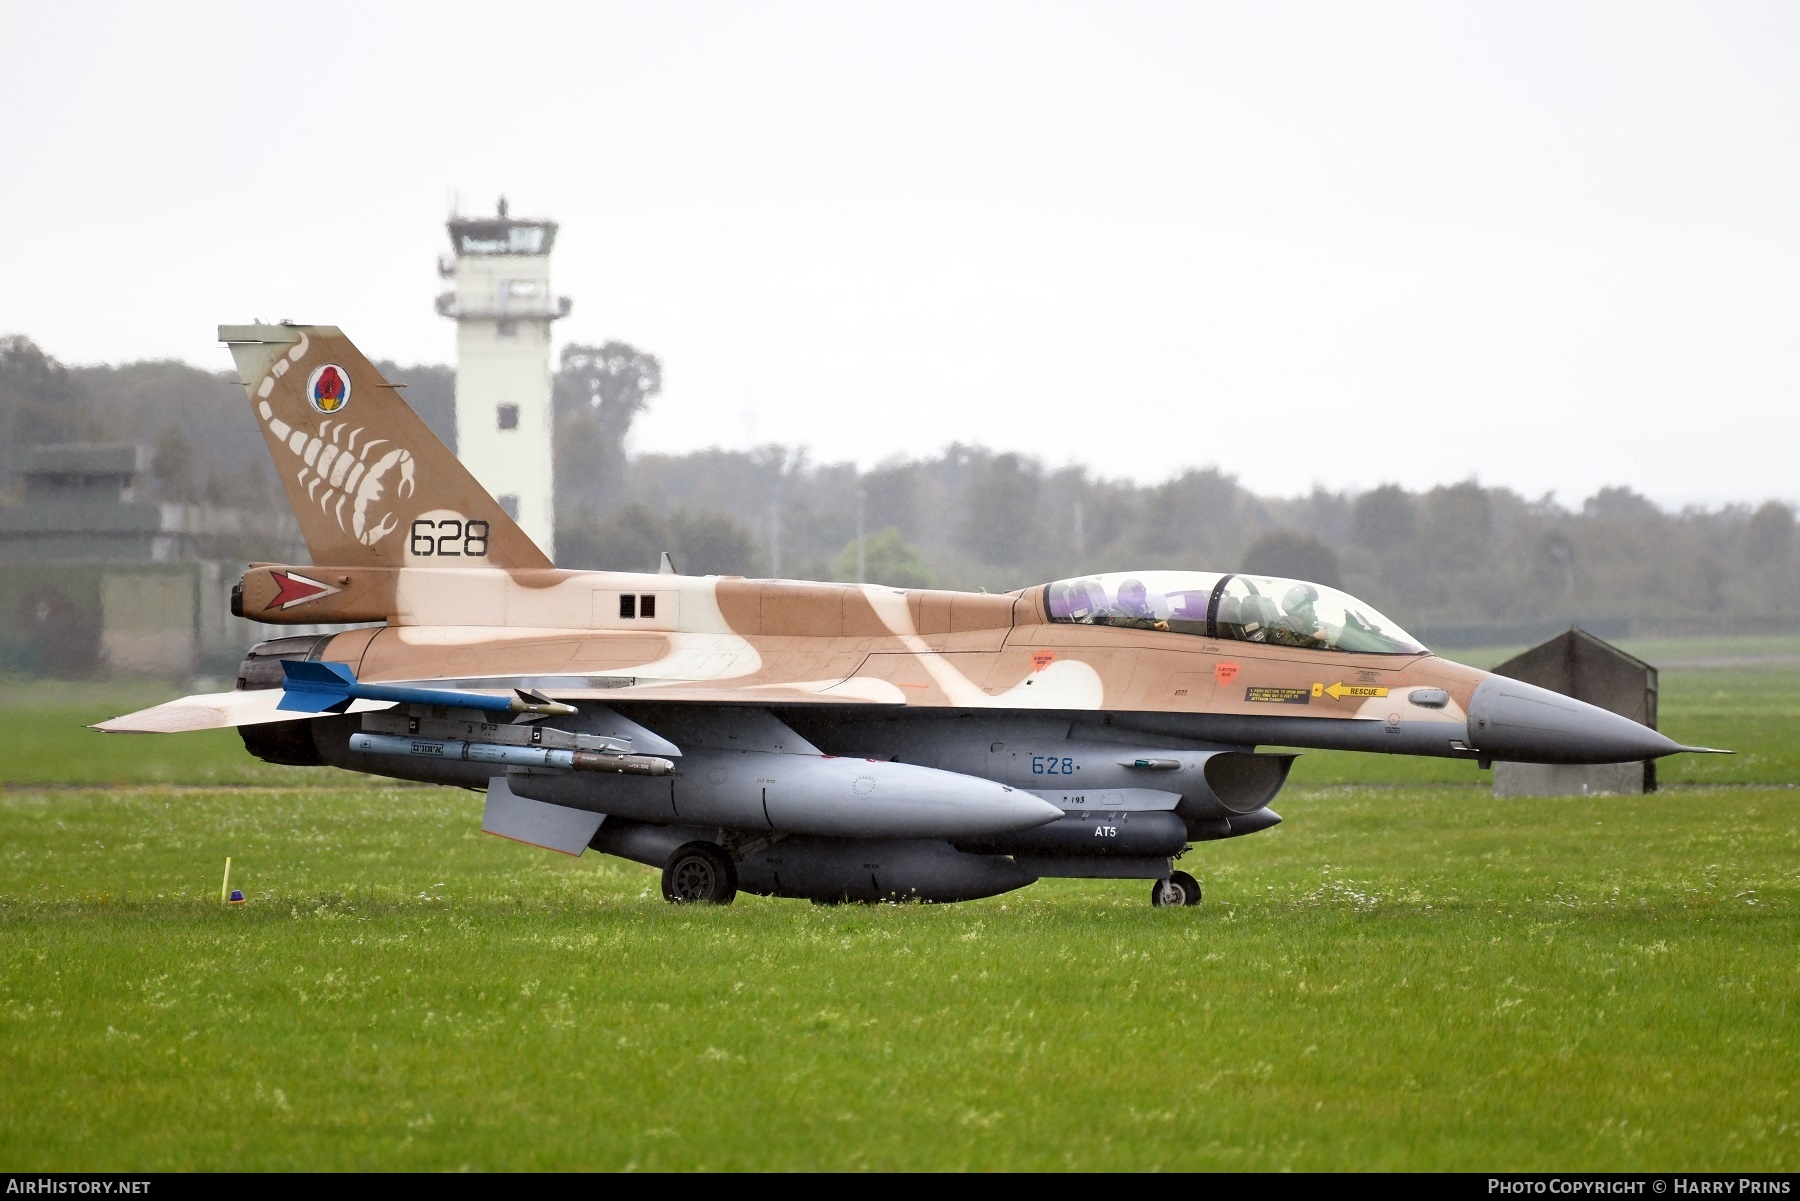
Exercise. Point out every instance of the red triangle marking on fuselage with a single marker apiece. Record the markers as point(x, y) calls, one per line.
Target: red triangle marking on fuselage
point(295, 588)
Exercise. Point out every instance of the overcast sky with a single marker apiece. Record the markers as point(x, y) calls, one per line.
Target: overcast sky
point(1552, 246)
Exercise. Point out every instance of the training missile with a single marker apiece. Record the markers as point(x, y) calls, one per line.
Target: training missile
point(514, 756)
point(317, 687)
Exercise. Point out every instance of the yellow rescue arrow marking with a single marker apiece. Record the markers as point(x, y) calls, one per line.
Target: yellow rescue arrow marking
point(1340, 690)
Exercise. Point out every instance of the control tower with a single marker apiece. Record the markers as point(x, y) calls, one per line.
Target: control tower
point(502, 305)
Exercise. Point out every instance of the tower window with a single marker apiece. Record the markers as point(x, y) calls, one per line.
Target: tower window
point(647, 604)
point(627, 605)
point(509, 417)
point(507, 329)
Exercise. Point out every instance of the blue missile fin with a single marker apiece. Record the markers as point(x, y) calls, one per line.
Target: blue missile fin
point(316, 687)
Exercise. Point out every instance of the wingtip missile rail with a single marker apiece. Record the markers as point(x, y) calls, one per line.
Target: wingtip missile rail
point(322, 687)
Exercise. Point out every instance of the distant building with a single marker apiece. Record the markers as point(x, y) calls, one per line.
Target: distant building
point(75, 603)
point(81, 504)
point(94, 579)
point(503, 307)
point(1577, 664)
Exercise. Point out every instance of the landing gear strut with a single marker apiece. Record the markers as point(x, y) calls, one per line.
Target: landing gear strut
point(1179, 889)
point(699, 873)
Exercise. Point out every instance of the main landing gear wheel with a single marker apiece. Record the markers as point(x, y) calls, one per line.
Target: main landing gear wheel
point(1179, 889)
point(699, 873)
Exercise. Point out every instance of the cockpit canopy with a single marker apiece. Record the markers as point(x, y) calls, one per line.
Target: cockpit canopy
point(1244, 608)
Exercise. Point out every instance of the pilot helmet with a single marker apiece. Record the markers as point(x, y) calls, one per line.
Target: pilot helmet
point(1299, 597)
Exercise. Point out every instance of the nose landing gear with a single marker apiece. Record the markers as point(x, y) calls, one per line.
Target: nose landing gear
point(1179, 889)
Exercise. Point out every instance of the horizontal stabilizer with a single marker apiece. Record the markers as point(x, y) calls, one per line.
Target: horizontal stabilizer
point(219, 711)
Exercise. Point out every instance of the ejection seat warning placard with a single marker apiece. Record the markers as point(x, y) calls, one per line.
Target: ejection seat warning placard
point(1278, 696)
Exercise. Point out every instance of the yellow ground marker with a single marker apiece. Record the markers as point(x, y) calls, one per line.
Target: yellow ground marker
point(225, 884)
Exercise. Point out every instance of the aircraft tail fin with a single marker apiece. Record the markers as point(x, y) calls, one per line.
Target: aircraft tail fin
point(370, 484)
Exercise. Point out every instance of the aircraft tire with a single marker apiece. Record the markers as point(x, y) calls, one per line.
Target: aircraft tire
point(1180, 889)
point(699, 873)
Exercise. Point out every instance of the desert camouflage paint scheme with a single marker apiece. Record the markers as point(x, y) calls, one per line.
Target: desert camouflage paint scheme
point(832, 741)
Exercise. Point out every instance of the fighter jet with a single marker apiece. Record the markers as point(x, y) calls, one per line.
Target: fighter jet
point(837, 742)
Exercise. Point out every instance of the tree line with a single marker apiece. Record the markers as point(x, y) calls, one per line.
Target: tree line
point(1462, 559)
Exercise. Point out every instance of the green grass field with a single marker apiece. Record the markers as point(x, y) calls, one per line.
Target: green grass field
point(1407, 974)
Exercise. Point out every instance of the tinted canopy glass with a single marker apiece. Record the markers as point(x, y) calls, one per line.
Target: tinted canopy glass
point(1244, 608)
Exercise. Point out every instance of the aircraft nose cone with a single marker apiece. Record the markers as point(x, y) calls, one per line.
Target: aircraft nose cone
point(1512, 720)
